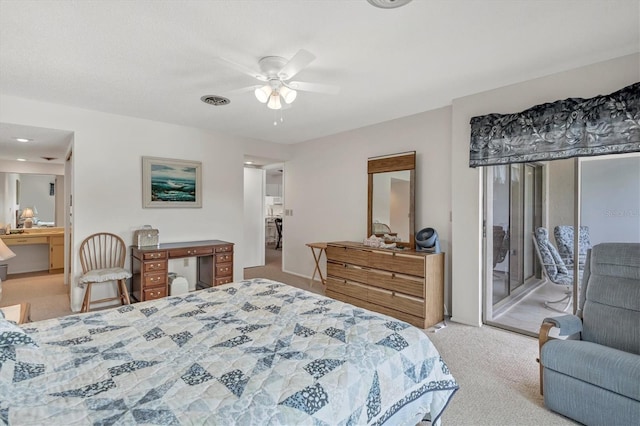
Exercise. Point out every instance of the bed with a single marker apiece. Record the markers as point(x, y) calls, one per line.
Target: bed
point(255, 352)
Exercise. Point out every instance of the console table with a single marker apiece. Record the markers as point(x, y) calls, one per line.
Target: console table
point(150, 272)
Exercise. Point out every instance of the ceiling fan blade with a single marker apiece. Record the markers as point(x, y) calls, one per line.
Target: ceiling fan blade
point(314, 87)
point(239, 67)
point(296, 64)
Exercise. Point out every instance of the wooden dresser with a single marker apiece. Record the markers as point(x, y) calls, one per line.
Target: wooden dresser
point(404, 284)
point(150, 266)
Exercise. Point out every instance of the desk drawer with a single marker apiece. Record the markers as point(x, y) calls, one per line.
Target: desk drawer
point(155, 279)
point(155, 293)
point(25, 240)
point(224, 249)
point(224, 270)
point(160, 265)
point(188, 252)
point(155, 255)
point(224, 258)
point(223, 280)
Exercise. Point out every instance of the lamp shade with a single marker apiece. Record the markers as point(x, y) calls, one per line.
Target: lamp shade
point(262, 93)
point(27, 213)
point(274, 101)
point(289, 95)
point(5, 252)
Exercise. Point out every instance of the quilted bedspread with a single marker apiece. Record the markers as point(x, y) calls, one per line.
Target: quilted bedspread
point(255, 352)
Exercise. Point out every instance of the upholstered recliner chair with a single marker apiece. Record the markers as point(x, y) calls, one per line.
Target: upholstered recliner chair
point(596, 379)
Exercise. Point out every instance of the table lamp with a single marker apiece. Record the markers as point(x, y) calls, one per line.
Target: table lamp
point(5, 253)
point(28, 214)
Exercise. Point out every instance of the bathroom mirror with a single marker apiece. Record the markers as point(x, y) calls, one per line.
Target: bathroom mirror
point(391, 197)
point(37, 192)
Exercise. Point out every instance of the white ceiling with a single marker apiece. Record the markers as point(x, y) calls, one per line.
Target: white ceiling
point(155, 59)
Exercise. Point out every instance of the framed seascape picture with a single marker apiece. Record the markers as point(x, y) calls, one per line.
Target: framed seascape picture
point(171, 183)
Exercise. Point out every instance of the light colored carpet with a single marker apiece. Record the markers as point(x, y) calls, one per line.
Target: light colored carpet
point(496, 369)
point(46, 293)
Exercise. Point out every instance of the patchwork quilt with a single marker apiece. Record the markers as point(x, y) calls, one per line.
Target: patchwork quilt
point(255, 352)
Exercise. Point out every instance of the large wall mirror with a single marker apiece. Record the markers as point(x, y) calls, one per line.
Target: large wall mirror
point(41, 193)
point(391, 197)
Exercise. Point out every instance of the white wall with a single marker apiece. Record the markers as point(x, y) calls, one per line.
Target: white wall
point(107, 175)
point(586, 82)
point(611, 199)
point(326, 184)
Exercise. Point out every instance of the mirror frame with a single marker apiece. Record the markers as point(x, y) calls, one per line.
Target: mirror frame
point(394, 163)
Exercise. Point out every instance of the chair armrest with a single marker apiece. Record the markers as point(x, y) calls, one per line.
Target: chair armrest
point(568, 325)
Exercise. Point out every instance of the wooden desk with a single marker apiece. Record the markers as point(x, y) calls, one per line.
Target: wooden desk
point(150, 266)
point(321, 247)
point(19, 313)
point(54, 239)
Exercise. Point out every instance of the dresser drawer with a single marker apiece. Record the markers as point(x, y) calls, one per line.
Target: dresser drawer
point(397, 262)
point(224, 269)
point(346, 271)
point(155, 293)
point(347, 288)
point(194, 251)
point(224, 249)
point(396, 301)
point(152, 279)
point(347, 255)
point(223, 280)
point(406, 284)
point(224, 258)
point(154, 255)
point(160, 265)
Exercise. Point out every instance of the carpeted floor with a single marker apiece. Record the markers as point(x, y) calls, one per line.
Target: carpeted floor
point(496, 369)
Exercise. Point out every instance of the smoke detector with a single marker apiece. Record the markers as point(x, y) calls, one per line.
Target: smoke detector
point(215, 100)
point(388, 4)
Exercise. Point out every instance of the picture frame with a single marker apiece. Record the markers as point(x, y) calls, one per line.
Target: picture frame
point(171, 183)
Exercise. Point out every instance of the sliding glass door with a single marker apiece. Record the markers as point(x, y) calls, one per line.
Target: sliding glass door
point(513, 209)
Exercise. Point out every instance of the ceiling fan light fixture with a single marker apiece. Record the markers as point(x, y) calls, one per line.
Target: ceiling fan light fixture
point(274, 101)
point(263, 93)
point(288, 95)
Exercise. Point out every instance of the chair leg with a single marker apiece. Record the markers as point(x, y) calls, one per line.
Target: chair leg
point(87, 299)
point(124, 294)
point(568, 297)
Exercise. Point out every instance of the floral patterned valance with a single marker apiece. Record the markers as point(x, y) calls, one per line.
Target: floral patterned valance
point(573, 127)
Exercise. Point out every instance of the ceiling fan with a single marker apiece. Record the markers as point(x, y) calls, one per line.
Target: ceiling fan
point(276, 74)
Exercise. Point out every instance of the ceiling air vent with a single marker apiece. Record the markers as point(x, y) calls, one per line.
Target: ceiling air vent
point(388, 4)
point(215, 100)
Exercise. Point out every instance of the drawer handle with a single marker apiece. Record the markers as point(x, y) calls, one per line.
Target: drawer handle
point(154, 279)
point(393, 276)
